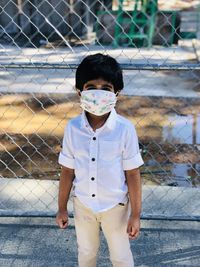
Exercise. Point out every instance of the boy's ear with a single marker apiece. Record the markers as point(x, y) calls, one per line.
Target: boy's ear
point(117, 93)
point(78, 92)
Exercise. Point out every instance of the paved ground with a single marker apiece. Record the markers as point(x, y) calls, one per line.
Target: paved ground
point(39, 242)
point(33, 241)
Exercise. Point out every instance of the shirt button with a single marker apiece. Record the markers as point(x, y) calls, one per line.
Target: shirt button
point(94, 138)
point(92, 178)
point(93, 195)
point(93, 159)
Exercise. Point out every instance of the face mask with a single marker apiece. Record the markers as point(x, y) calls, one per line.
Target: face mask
point(98, 102)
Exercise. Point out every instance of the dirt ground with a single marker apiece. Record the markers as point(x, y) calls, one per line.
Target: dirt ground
point(31, 129)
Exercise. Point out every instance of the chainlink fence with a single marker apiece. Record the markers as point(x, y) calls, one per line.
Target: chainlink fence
point(157, 44)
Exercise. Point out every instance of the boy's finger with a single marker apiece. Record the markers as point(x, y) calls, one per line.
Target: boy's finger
point(134, 234)
point(131, 233)
point(128, 230)
point(62, 223)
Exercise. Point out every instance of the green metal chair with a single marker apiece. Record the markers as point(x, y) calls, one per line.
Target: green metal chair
point(140, 24)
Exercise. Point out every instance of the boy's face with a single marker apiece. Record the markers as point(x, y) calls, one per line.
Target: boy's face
point(97, 84)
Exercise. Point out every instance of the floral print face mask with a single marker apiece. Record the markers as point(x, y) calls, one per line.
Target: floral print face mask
point(97, 102)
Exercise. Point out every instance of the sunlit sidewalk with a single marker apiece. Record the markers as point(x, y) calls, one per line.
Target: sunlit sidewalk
point(143, 83)
point(28, 197)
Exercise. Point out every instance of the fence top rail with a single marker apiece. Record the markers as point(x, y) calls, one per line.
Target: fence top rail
point(130, 66)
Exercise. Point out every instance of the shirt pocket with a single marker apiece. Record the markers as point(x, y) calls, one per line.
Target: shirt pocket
point(109, 150)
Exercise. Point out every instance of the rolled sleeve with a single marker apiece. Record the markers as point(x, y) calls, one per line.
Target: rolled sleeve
point(133, 163)
point(65, 161)
point(131, 155)
point(66, 157)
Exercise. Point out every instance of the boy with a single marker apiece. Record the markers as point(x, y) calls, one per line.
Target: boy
point(101, 159)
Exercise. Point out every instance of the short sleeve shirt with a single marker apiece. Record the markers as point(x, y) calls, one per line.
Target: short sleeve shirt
point(99, 159)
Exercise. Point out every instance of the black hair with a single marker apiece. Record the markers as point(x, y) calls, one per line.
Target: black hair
point(99, 66)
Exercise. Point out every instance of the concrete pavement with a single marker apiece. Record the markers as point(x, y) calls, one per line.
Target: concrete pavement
point(39, 242)
point(36, 241)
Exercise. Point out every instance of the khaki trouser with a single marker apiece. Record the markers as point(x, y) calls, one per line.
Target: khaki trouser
point(113, 223)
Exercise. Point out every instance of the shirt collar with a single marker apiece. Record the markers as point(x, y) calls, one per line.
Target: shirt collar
point(110, 122)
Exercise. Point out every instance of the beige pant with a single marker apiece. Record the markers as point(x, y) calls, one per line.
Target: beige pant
point(113, 223)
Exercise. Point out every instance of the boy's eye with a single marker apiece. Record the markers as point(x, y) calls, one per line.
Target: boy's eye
point(103, 88)
point(90, 88)
point(106, 89)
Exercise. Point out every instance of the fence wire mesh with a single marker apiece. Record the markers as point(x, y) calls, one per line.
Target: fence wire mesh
point(158, 46)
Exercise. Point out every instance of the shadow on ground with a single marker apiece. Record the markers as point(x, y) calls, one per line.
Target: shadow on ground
point(39, 242)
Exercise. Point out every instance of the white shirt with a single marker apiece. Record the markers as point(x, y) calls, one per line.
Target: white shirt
point(99, 159)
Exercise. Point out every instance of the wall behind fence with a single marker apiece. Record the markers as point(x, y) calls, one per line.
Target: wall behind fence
point(42, 42)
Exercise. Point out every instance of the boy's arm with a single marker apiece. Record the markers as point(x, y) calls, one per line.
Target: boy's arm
point(65, 185)
point(135, 197)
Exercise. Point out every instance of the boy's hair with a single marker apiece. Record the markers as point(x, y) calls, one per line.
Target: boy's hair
point(99, 66)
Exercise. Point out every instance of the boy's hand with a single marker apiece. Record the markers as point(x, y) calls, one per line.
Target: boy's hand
point(62, 219)
point(133, 227)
